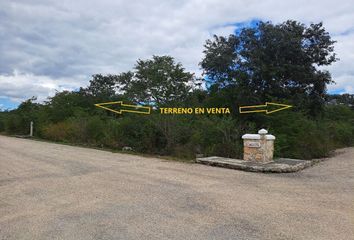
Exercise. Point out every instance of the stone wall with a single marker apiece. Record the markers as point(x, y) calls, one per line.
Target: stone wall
point(258, 147)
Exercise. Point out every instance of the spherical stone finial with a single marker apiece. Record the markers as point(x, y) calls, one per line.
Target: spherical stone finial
point(262, 131)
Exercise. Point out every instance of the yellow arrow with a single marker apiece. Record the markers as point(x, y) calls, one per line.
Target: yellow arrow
point(263, 108)
point(124, 108)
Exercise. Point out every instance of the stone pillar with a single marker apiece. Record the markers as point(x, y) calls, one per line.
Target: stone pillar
point(31, 129)
point(258, 147)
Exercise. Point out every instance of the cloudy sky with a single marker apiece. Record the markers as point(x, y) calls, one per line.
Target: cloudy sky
point(50, 45)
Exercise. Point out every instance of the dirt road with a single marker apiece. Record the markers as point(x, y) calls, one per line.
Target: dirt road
point(52, 191)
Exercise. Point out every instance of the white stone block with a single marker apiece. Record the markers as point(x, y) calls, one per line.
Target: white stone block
point(262, 131)
point(251, 136)
point(270, 137)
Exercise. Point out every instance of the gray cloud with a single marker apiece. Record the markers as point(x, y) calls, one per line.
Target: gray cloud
point(48, 45)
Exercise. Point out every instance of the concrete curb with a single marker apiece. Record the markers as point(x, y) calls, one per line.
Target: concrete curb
point(281, 165)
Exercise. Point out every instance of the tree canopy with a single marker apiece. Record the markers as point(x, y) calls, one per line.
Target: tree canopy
point(270, 62)
point(157, 81)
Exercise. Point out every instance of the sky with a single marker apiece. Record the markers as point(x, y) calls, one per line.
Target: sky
point(49, 45)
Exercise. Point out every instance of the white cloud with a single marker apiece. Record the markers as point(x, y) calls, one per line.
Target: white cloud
point(343, 70)
point(59, 44)
point(344, 84)
point(19, 86)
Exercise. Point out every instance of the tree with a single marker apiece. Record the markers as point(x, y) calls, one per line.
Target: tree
point(18, 120)
point(156, 81)
point(66, 104)
point(102, 87)
point(271, 62)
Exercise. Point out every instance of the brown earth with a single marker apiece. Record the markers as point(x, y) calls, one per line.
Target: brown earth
point(53, 191)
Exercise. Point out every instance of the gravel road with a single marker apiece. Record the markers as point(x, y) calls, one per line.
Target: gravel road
point(53, 191)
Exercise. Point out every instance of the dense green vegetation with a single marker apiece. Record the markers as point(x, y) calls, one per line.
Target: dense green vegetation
point(266, 63)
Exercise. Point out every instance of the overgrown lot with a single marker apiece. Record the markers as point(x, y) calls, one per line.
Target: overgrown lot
point(274, 63)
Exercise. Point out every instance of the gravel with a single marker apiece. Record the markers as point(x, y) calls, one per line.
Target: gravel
point(54, 191)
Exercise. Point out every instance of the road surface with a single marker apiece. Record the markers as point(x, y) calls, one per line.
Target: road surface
point(53, 191)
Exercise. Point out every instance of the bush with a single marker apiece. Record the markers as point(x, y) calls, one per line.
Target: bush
point(58, 131)
point(72, 130)
point(301, 137)
point(95, 130)
point(183, 136)
point(2, 122)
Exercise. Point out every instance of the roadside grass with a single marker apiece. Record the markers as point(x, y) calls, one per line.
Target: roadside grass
point(106, 149)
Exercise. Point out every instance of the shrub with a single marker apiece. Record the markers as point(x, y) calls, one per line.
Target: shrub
point(95, 129)
point(183, 136)
point(58, 131)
